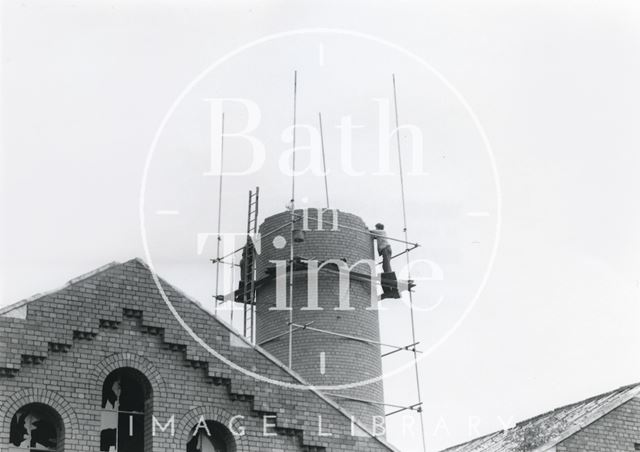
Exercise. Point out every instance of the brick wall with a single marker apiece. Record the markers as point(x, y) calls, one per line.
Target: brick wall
point(617, 431)
point(346, 361)
point(72, 339)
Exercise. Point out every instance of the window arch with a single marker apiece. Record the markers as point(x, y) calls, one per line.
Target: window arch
point(126, 412)
point(210, 436)
point(36, 427)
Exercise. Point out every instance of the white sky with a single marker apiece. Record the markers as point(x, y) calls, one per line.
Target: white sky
point(85, 86)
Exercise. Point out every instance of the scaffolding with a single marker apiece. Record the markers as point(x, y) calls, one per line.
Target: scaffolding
point(246, 293)
point(250, 281)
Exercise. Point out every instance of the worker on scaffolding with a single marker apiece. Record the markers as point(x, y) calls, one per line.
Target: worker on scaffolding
point(240, 294)
point(384, 248)
point(243, 259)
point(388, 278)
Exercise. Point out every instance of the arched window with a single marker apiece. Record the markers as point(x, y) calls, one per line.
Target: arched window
point(210, 436)
point(36, 427)
point(126, 397)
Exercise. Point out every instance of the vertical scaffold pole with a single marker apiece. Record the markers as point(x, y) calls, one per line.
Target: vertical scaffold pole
point(406, 238)
point(217, 296)
point(324, 161)
point(292, 207)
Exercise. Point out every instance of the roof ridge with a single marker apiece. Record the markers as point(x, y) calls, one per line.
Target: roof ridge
point(580, 402)
point(629, 392)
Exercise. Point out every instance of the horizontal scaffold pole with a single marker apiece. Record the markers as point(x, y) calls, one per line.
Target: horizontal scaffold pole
point(374, 402)
point(408, 348)
point(415, 407)
point(288, 223)
point(348, 336)
point(233, 264)
point(278, 336)
point(403, 252)
point(367, 232)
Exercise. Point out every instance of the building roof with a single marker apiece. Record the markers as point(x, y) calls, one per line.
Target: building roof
point(128, 282)
point(542, 432)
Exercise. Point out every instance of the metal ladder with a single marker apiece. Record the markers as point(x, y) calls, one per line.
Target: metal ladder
point(249, 281)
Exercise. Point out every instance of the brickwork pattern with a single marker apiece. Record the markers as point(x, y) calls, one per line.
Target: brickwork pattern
point(73, 338)
point(617, 431)
point(346, 361)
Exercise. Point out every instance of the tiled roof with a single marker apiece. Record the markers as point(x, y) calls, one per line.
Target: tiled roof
point(542, 432)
